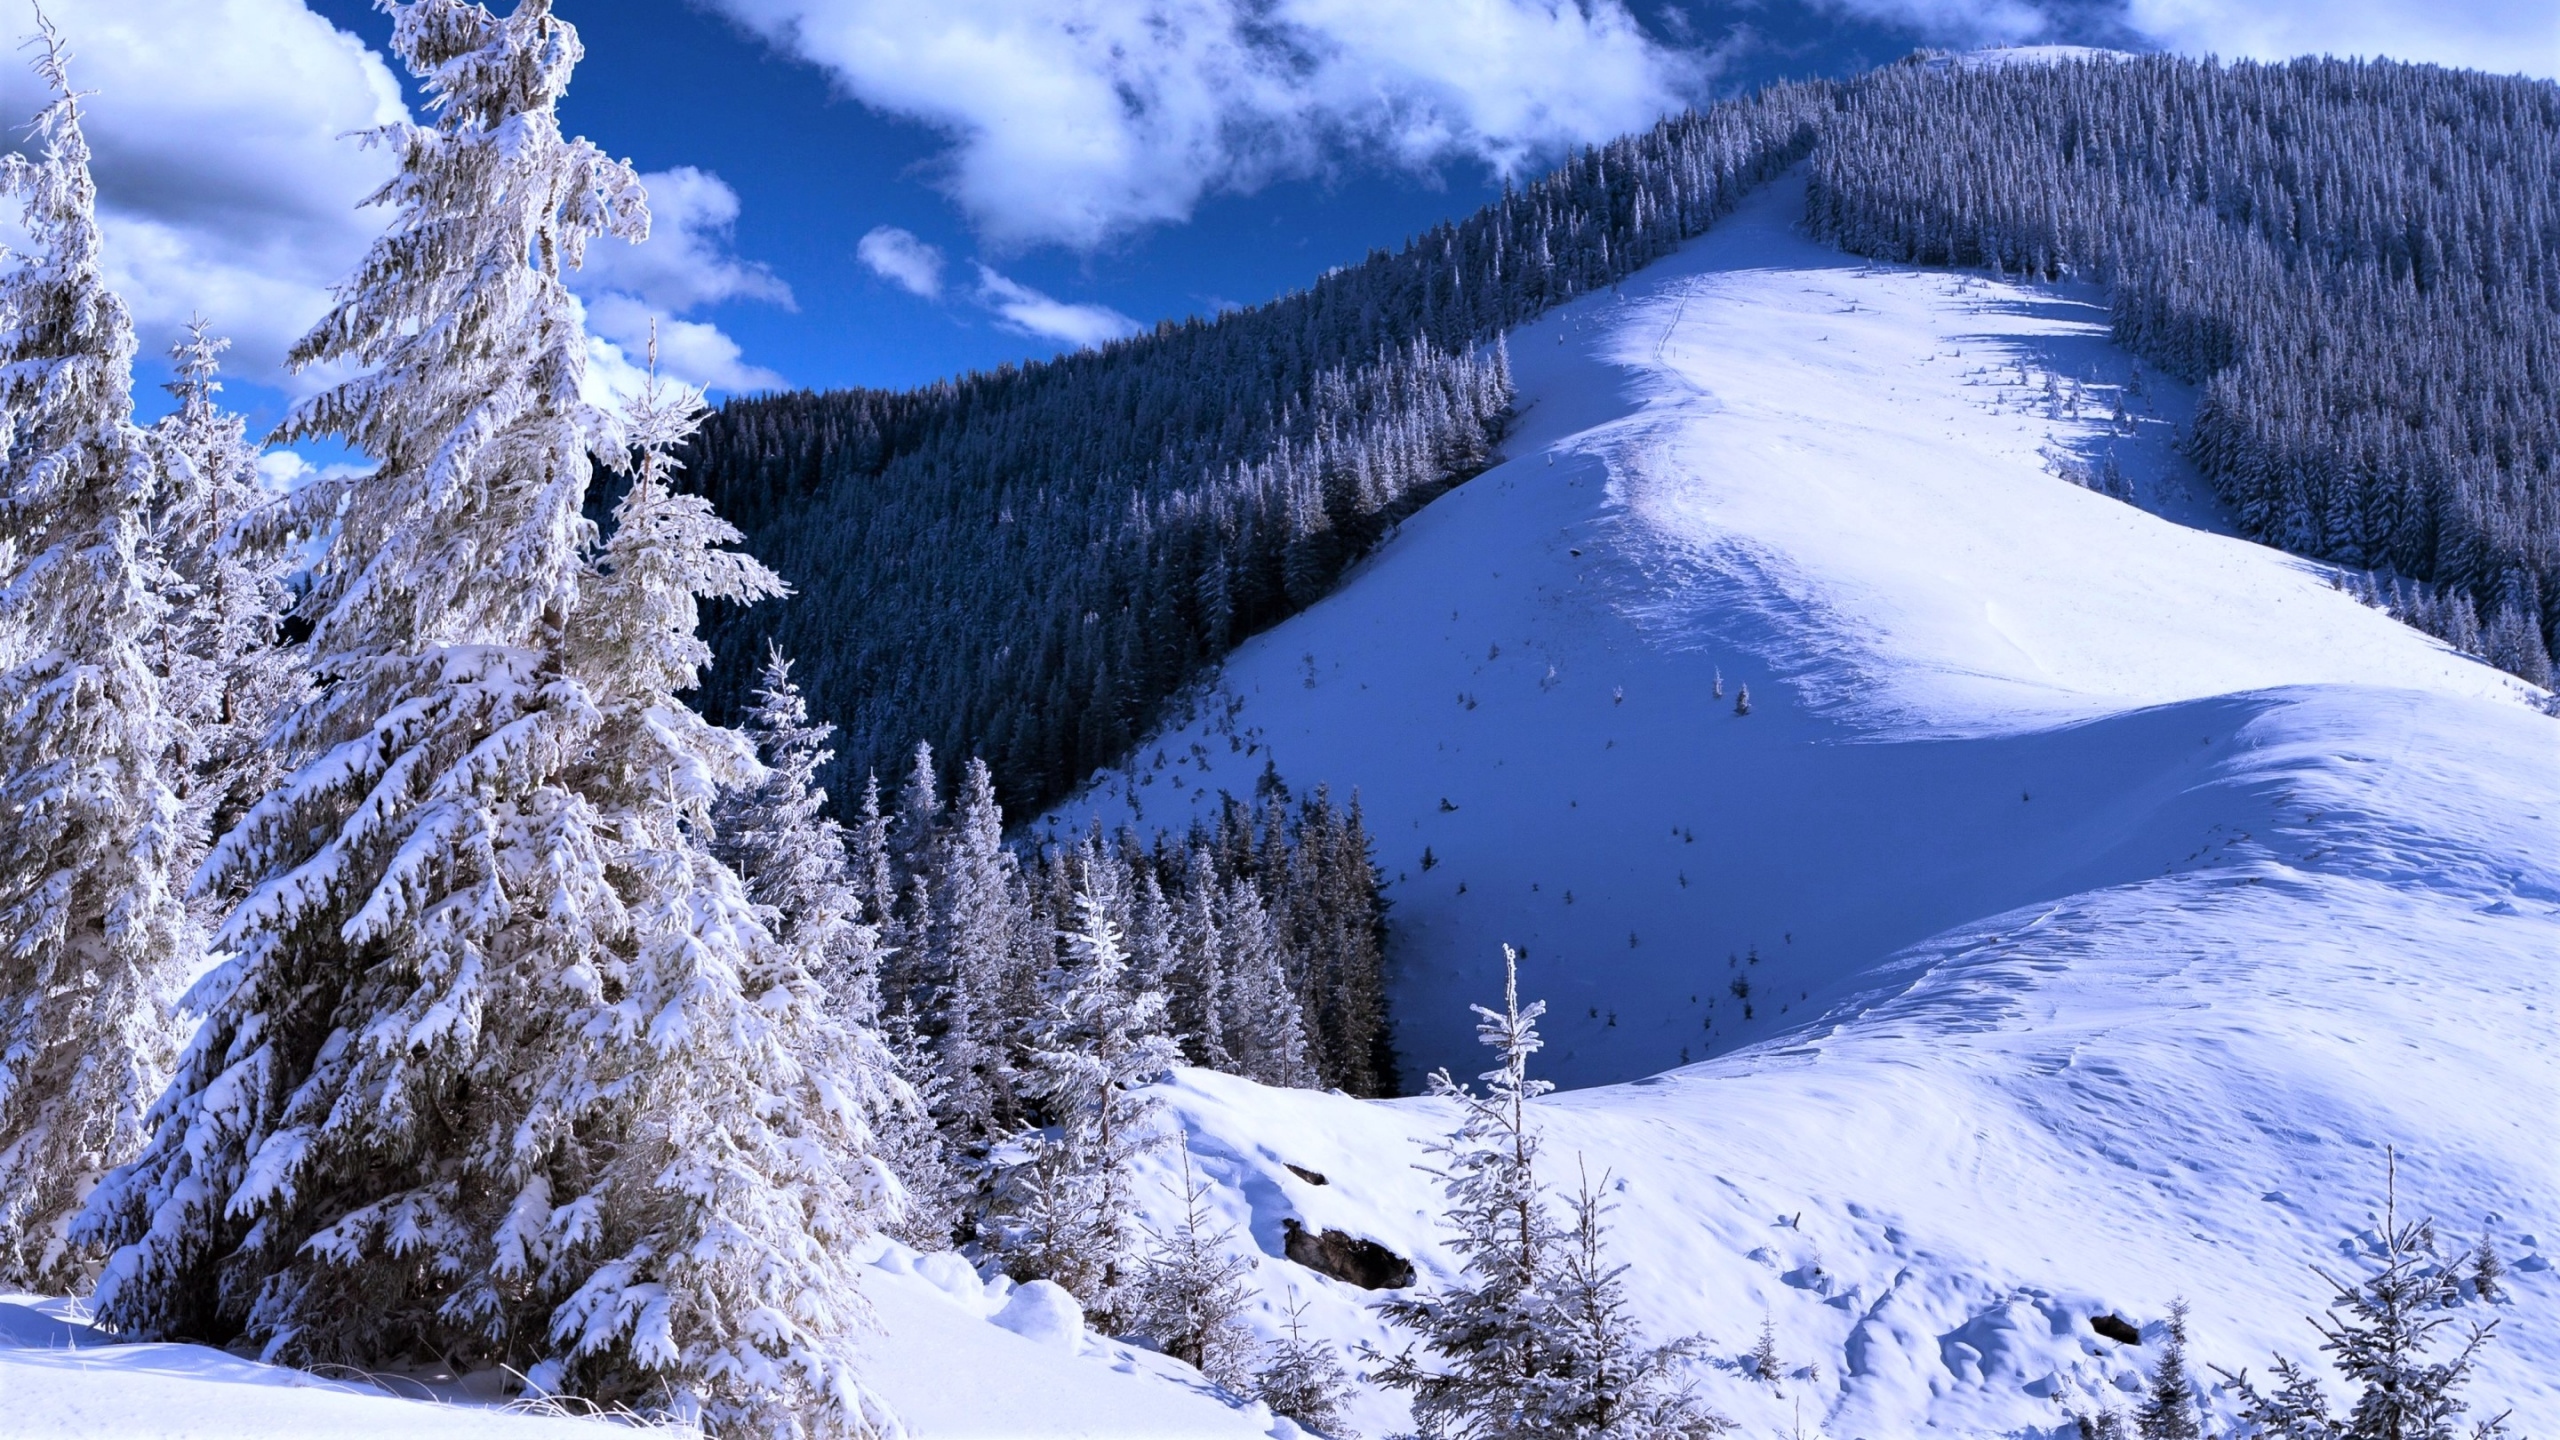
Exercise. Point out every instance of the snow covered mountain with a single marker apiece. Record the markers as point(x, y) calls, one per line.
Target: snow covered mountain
point(2086, 900)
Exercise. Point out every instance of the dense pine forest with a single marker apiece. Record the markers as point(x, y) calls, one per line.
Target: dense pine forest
point(1026, 565)
point(2359, 261)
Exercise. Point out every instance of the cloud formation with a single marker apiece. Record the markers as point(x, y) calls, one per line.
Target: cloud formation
point(1025, 310)
point(898, 257)
point(2500, 36)
point(230, 183)
point(685, 264)
point(224, 185)
point(1077, 123)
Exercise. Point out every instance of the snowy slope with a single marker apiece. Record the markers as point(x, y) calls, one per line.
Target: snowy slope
point(954, 1358)
point(2118, 888)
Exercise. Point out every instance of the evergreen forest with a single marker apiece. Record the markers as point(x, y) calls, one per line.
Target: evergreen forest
point(2360, 262)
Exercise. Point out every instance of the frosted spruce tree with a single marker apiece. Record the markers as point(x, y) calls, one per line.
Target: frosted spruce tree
point(1606, 1382)
point(777, 835)
point(2381, 1335)
point(503, 1065)
point(229, 675)
point(1537, 1340)
point(1191, 1291)
point(1303, 1379)
point(94, 936)
point(1491, 1337)
point(1066, 1203)
point(2168, 1408)
point(736, 1112)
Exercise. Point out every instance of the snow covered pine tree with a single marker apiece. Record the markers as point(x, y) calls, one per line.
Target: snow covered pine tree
point(94, 938)
point(1191, 1291)
point(503, 1065)
point(2378, 1332)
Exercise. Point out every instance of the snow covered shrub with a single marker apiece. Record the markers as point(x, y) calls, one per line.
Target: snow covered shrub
point(1191, 1292)
point(503, 1064)
point(95, 940)
point(1536, 1340)
point(1303, 1380)
point(2378, 1334)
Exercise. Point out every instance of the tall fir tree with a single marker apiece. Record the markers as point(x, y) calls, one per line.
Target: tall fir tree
point(776, 834)
point(95, 939)
point(1536, 1340)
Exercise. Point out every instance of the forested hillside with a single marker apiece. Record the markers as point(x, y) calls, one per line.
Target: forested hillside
point(2361, 260)
point(1025, 565)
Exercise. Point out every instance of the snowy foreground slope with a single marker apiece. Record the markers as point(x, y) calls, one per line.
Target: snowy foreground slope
point(2118, 888)
point(954, 1356)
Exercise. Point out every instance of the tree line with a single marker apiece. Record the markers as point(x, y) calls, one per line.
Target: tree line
point(2358, 260)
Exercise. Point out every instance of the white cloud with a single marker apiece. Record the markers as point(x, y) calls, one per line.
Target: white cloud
point(899, 257)
point(2501, 36)
point(230, 184)
point(1076, 123)
point(224, 184)
point(1019, 307)
point(686, 263)
point(688, 350)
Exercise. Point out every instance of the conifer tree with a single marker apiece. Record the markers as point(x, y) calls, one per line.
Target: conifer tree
point(1191, 1293)
point(777, 836)
point(2168, 1409)
point(229, 675)
point(1606, 1383)
point(1262, 1029)
point(1066, 1203)
point(1490, 1335)
point(725, 1114)
point(1536, 1340)
point(1304, 1380)
point(95, 940)
point(2378, 1334)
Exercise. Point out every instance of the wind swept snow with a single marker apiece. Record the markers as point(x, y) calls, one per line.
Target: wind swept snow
point(2086, 900)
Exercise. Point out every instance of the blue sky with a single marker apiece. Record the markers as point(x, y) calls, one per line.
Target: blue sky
point(1040, 172)
point(669, 83)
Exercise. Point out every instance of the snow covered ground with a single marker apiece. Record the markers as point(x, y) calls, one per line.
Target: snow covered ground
point(957, 1359)
point(2108, 891)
